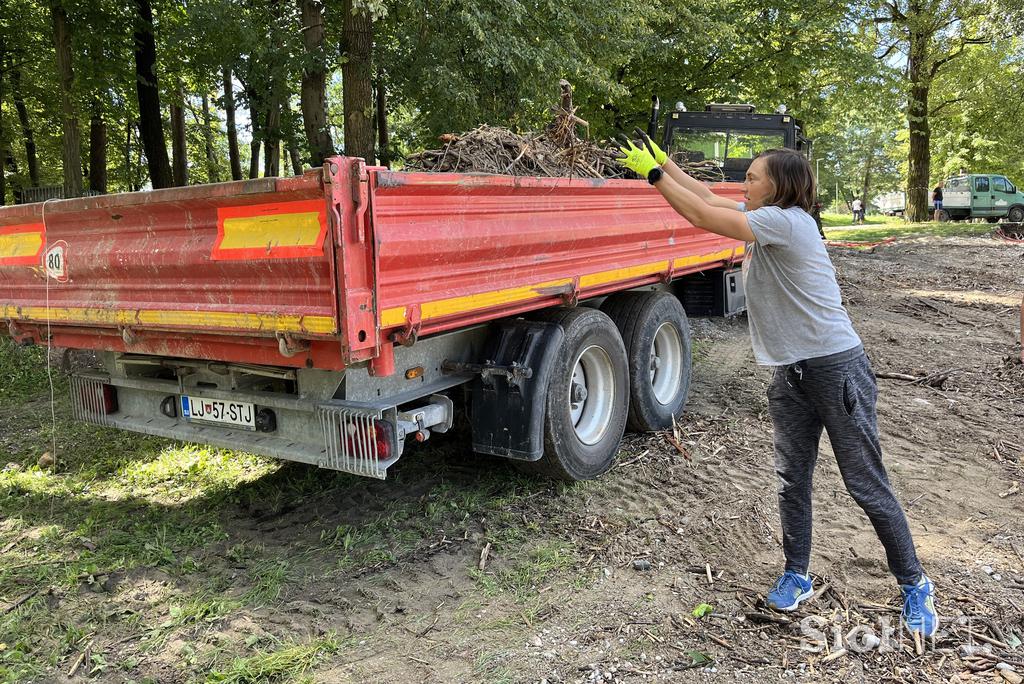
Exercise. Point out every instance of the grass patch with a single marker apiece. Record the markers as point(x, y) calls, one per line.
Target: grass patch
point(829, 220)
point(525, 573)
point(23, 370)
point(286, 664)
point(267, 578)
point(867, 233)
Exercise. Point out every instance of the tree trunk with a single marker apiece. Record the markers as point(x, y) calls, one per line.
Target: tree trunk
point(356, 73)
point(257, 135)
point(212, 176)
point(868, 164)
point(3, 176)
point(272, 146)
point(292, 144)
point(229, 108)
point(919, 166)
point(179, 146)
point(97, 150)
point(129, 171)
point(12, 166)
point(314, 76)
point(151, 127)
point(71, 148)
point(26, 129)
point(382, 126)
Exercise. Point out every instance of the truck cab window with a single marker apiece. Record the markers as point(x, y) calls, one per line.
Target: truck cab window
point(981, 184)
point(728, 149)
point(999, 184)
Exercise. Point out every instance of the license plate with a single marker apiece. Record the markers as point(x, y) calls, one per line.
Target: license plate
point(218, 412)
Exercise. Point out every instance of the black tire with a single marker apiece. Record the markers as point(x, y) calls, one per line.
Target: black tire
point(1016, 214)
point(639, 316)
point(566, 456)
point(943, 216)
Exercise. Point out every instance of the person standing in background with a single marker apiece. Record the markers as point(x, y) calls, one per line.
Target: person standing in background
point(858, 210)
point(937, 201)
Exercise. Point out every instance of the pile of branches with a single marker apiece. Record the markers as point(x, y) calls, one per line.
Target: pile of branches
point(555, 151)
point(491, 149)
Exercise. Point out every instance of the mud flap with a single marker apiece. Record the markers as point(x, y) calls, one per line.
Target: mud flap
point(509, 396)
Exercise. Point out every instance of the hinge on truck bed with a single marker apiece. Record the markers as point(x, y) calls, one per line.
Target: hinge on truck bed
point(571, 296)
point(289, 346)
point(408, 335)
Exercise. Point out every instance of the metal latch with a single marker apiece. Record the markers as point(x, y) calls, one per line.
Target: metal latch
point(515, 372)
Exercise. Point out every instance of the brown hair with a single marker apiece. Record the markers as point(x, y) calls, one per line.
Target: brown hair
point(791, 177)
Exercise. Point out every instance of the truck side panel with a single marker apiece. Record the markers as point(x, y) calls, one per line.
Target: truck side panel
point(456, 249)
point(163, 270)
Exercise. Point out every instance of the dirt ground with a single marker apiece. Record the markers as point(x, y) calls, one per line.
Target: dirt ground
point(458, 569)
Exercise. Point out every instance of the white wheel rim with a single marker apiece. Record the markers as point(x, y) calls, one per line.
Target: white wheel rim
point(591, 394)
point(666, 363)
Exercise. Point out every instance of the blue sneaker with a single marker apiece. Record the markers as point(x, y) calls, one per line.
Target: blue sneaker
point(789, 591)
point(919, 607)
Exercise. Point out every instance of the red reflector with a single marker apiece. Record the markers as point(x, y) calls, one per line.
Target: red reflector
point(109, 399)
point(357, 439)
point(383, 443)
point(99, 398)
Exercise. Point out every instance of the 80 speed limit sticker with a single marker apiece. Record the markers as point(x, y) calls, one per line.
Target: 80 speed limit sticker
point(55, 261)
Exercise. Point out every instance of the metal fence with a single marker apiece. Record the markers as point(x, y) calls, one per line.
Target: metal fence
point(47, 192)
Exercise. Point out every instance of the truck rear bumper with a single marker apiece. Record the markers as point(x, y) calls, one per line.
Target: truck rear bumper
point(338, 435)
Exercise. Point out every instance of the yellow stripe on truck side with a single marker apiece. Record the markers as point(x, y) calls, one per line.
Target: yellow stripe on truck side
point(396, 316)
point(320, 325)
point(619, 274)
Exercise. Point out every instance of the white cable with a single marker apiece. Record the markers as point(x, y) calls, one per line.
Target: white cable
point(49, 342)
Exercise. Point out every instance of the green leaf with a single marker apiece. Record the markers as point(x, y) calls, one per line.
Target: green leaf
point(702, 610)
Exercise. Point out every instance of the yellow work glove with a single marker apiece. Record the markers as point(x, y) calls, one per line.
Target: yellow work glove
point(652, 147)
point(637, 159)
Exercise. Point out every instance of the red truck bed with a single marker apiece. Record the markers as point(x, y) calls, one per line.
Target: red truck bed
point(328, 269)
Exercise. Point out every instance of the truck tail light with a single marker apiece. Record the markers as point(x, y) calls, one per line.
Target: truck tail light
point(358, 439)
point(93, 400)
point(99, 398)
point(379, 444)
point(109, 399)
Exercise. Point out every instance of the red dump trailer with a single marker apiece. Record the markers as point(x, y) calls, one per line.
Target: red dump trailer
point(328, 318)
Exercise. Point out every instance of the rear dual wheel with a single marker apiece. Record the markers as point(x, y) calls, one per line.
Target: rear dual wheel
point(628, 363)
point(587, 399)
point(656, 334)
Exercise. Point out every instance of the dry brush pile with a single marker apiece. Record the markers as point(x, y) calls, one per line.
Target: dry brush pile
point(557, 151)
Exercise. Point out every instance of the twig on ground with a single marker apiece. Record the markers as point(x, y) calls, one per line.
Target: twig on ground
point(20, 602)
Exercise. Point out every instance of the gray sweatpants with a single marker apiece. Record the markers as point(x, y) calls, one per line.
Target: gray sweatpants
point(837, 393)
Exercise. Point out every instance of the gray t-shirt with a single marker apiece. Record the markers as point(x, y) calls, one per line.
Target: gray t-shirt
point(793, 300)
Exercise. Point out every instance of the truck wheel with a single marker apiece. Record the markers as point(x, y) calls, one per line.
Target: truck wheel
point(587, 399)
point(943, 215)
point(1016, 214)
point(656, 333)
